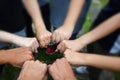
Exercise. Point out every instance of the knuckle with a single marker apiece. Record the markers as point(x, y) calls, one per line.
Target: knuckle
point(29, 52)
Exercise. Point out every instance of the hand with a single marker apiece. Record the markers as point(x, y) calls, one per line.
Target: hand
point(32, 43)
point(70, 44)
point(74, 58)
point(33, 70)
point(44, 38)
point(62, 33)
point(18, 56)
point(61, 70)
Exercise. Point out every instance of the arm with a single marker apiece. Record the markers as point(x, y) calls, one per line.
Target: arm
point(99, 61)
point(99, 32)
point(33, 70)
point(102, 30)
point(19, 41)
point(44, 36)
point(74, 11)
point(15, 57)
point(61, 70)
point(65, 31)
point(32, 7)
point(3, 55)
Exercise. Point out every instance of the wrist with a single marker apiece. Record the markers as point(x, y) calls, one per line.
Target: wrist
point(82, 59)
point(83, 40)
point(71, 78)
point(39, 29)
point(17, 40)
point(4, 56)
point(68, 26)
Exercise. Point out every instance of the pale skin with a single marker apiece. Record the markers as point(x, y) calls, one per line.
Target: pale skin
point(43, 35)
point(15, 57)
point(33, 70)
point(60, 34)
point(64, 32)
point(99, 61)
point(19, 41)
point(61, 70)
point(99, 32)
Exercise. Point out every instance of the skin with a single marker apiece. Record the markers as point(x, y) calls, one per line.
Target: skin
point(99, 32)
point(15, 57)
point(61, 70)
point(64, 32)
point(19, 41)
point(43, 35)
point(33, 70)
point(99, 61)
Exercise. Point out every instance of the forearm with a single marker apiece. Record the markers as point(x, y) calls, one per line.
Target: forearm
point(102, 30)
point(71, 78)
point(74, 11)
point(3, 55)
point(8, 37)
point(104, 62)
point(33, 9)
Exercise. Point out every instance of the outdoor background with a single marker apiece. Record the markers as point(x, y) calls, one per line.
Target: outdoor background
point(10, 73)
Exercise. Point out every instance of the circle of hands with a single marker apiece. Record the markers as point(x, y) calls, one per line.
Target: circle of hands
point(36, 70)
point(59, 70)
point(43, 39)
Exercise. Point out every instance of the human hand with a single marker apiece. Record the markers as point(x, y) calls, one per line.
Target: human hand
point(31, 43)
point(33, 70)
point(18, 56)
point(75, 45)
point(74, 58)
point(61, 70)
point(62, 33)
point(44, 38)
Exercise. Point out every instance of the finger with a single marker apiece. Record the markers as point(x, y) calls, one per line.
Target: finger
point(57, 37)
point(58, 47)
point(36, 43)
point(45, 77)
point(30, 57)
point(25, 65)
point(46, 40)
point(53, 37)
point(42, 44)
point(62, 38)
point(49, 39)
point(63, 48)
point(36, 47)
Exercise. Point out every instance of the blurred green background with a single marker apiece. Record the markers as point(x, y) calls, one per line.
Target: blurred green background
point(11, 73)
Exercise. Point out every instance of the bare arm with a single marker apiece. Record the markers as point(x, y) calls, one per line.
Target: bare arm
point(19, 41)
point(102, 30)
point(65, 31)
point(32, 7)
point(99, 61)
point(99, 32)
point(8, 37)
point(104, 62)
point(15, 57)
point(3, 55)
point(74, 11)
point(43, 36)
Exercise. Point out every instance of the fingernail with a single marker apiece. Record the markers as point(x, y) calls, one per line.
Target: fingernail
point(56, 50)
